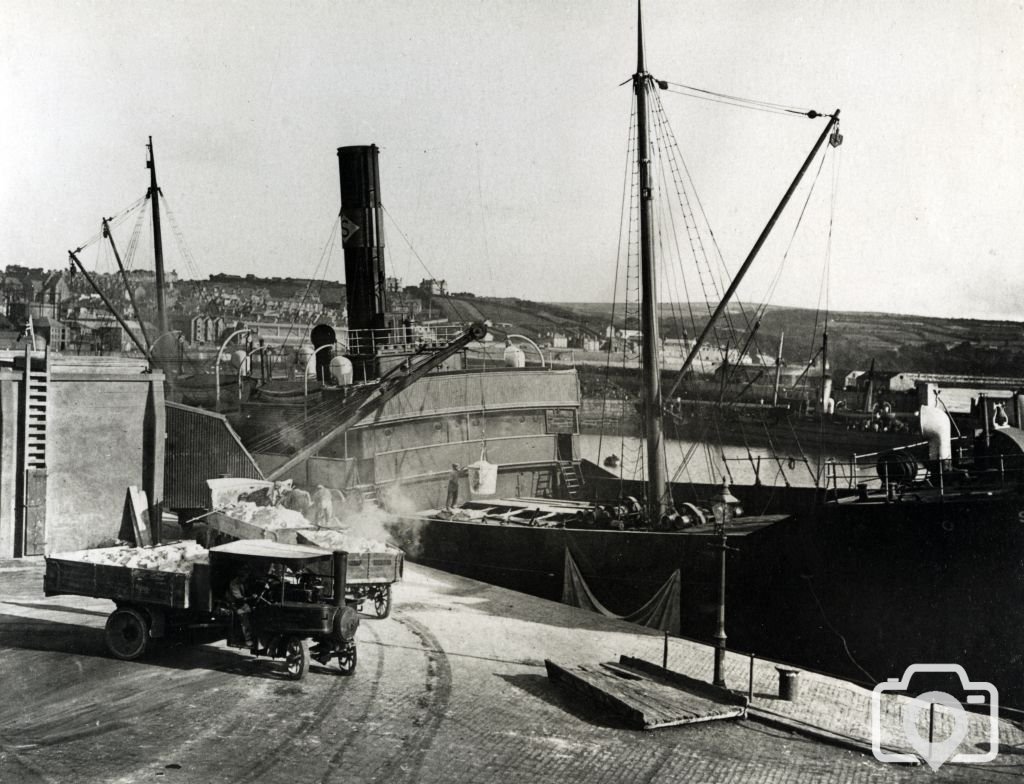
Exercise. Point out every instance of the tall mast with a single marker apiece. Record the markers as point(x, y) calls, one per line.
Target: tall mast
point(158, 246)
point(656, 469)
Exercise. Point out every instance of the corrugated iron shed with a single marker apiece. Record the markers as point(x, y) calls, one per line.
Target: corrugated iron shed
point(200, 445)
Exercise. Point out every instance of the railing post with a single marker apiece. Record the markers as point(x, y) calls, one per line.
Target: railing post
point(664, 654)
point(750, 682)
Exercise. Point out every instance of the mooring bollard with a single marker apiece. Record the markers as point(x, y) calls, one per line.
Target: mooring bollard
point(789, 683)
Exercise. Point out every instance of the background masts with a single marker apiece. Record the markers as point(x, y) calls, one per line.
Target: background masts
point(158, 247)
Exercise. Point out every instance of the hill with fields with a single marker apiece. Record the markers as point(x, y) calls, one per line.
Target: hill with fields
point(894, 342)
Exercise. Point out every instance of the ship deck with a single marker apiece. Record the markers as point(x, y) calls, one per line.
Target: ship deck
point(557, 513)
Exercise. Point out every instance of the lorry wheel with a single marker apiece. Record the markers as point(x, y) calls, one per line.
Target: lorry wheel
point(347, 660)
point(127, 633)
point(382, 601)
point(296, 658)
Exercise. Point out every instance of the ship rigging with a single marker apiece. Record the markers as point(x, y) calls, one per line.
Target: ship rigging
point(658, 168)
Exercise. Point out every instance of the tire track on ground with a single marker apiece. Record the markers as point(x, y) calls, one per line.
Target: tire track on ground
point(338, 757)
point(259, 766)
point(407, 765)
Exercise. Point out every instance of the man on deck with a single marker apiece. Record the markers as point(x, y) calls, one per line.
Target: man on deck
point(453, 486)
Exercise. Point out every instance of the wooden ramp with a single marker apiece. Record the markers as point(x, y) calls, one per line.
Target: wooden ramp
point(646, 695)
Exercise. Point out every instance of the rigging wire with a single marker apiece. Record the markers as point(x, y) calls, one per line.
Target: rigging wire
point(822, 294)
point(430, 275)
point(113, 221)
point(664, 140)
point(684, 187)
point(133, 238)
point(734, 100)
point(624, 218)
point(318, 276)
point(179, 237)
point(667, 150)
point(777, 277)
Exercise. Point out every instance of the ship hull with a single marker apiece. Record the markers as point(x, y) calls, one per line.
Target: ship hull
point(857, 590)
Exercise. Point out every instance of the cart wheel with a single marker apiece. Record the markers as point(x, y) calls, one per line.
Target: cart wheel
point(296, 658)
point(382, 601)
point(347, 660)
point(127, 633)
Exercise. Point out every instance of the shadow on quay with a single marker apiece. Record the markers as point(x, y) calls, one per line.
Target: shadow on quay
point(194, 652)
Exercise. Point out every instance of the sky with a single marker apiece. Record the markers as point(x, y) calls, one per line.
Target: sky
point(503, 129)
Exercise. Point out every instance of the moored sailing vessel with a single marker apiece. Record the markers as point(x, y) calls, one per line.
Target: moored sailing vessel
point(862, 582)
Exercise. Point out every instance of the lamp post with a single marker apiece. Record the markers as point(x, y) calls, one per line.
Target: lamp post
point(724, 506)
point(216, 365)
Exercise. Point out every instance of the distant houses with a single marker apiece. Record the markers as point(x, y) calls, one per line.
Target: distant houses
point(66, 314)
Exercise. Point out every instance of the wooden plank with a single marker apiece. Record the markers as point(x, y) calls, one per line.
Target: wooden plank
point(682, 681)
point(646, 696)
point(138, 512)
point(617, 695)
point(634, 692)
point(643, 691)
point(568, 678)
point(659, 704)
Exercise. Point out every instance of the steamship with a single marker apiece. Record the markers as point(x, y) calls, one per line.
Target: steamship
point(408, 401)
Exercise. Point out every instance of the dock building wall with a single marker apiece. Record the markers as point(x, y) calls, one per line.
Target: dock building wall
point(75, 433)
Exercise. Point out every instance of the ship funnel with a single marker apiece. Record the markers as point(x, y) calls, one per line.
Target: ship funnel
point(935, 428)
point(362, 234)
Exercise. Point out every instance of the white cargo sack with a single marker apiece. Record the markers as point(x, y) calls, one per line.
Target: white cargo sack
point(483, 477)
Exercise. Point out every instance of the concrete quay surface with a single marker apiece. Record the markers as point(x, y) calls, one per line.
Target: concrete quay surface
point(450, 688)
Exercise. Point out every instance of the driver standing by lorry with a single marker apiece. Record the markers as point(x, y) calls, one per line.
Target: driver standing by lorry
point(237, 595)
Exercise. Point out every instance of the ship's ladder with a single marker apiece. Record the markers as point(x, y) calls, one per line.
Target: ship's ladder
point(543, 486)
point(368, 494)
point(571, 478)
